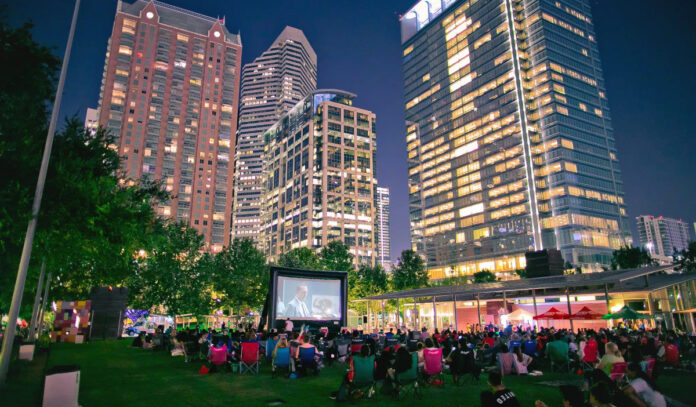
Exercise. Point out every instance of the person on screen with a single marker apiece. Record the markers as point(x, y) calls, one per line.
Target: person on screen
point(280, 307)
point(324, 307)
point(297, 308)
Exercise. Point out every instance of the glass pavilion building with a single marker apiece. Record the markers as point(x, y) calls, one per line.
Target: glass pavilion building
point(510, 143)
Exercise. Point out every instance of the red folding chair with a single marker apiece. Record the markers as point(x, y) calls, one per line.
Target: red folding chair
point(355, 348)
point(651, 366)
point(618, 370)
point(218, 356)
point(249, 361)
point(589, 354)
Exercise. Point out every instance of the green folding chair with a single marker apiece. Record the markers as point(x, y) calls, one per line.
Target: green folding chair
point(363, 379)
point(408, 380)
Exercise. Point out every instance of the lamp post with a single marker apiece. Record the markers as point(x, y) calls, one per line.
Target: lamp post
point(8, 339)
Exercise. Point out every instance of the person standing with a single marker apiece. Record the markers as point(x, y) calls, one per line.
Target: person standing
point(288, 325)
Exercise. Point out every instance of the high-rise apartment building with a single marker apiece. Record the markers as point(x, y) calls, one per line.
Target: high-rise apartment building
point(510, 144)
point(169, 94)
point(662, 236)
point(382, 228)
point(271, 85)
point(319, 178)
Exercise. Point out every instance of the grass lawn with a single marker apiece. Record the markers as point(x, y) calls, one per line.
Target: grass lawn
point(114, 374)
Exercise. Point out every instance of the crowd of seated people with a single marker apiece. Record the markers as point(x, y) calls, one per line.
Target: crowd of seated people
point(619, 362)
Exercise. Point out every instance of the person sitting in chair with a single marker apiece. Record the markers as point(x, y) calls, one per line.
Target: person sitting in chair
point(313, 363)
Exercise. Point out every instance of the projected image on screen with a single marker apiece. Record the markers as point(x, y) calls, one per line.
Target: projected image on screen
point(305, 298)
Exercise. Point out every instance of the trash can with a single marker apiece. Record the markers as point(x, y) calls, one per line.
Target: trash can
point(62, 386)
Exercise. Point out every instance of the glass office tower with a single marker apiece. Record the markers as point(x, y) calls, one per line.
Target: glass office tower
point(320, 178)
point(510, 144)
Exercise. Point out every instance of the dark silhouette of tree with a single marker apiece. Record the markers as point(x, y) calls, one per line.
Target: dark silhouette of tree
point(410, 272)
point(629, 257)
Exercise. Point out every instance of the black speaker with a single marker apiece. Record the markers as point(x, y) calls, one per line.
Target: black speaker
point(107, 307)
point(542, 263)
point(364, 319)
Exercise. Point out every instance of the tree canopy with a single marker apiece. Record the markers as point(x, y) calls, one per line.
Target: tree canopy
point(629, 257)
point(410, 272)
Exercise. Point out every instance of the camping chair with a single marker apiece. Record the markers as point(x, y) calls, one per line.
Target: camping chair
point(559, 362)
point(249, 360)
point(363, 379)
point(306, 359)
point(650, 366)
point(408, 380)
point(513, 344)
point(342, 349)
point(218, 356)
point(433, 364)
point(281, 361)
point(618, 370)
point(506, 363)
point(355, 348)
point(270, 347)
point(529, 347)
point(589, 355)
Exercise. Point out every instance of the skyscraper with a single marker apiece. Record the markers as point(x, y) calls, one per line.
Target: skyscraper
point(382, 227)
point(510, 144)
point(319, 178)
point(662, 236)
point(169, 94)
point(271, 85)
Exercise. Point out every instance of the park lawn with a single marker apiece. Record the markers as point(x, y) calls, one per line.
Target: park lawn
point(114, 374)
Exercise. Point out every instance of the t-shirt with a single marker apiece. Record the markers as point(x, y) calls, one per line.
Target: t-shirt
point(501, 398)
point(288, 326)
point(647, 394)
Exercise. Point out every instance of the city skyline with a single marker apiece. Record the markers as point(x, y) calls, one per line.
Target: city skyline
point(627, 102)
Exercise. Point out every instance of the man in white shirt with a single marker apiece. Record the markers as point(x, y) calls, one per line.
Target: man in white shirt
point(288, 325)
point(297, 308)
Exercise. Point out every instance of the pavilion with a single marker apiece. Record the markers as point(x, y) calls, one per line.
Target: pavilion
point(658, 291)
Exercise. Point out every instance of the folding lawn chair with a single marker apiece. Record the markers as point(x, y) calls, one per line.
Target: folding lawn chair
point(433, 364)
point(218, 356)
point(618, 370)
point(408, 380)
point(307, 361)
point(249, 361)
point(513, 344)
point(270, 347)
point(363, 379)
point(281, 361)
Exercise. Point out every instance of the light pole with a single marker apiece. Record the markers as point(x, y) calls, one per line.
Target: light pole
point(8, 339)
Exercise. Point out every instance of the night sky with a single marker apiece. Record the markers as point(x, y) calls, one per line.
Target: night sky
point(648, 51)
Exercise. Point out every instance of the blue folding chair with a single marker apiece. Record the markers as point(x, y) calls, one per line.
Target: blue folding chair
point(270, 347)
point(513, 344)
point(281, 361)
point(306, 360)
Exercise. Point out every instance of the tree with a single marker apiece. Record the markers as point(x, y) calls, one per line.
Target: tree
point(27, 86)
point(335, 256)
point(301, 258)
point(484, 276)
point(410, 272)
point(521, 273)
point(629, 257)
point(687, 259)
point(174, 274)
point(367, 281)
point(241, 275)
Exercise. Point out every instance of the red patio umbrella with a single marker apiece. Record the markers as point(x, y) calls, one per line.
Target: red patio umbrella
point(586, 313)
point(553, 313)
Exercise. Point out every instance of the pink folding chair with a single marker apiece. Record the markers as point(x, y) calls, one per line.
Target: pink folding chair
point(433, 363)
point(249, 361)
point(218, 356)
point(618, 370)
